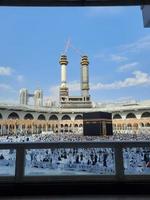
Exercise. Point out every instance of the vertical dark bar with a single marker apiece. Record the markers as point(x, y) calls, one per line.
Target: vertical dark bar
point(119, 162)
point(20, 160)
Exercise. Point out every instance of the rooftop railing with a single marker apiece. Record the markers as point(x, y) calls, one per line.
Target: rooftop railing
point(64, 161)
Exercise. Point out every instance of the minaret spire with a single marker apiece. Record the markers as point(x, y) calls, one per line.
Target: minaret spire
point(63, 87)
point(85, 77)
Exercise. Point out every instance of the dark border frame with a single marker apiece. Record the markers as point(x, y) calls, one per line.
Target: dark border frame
point(73, 2)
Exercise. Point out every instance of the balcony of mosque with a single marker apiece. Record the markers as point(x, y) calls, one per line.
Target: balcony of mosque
point(114, 162)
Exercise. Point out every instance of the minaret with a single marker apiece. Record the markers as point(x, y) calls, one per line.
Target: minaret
point(63, 87)
point(85, 78)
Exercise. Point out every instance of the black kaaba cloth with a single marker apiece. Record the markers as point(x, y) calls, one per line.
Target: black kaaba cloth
point(97, 124)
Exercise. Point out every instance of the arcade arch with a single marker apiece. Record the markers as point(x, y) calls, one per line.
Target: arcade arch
point(53, 117)
point(13, 115)
point(78, 117)
point(41, 117)
point(141, 124)
point(117, 116)
point(66, 117)
point(147, 125)
point(28, 116)
point(66, 127)
point(130, 115)
point(135, 126)
point(145, 115)
point(129, 126)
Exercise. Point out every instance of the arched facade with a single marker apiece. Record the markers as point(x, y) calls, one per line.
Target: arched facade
point(13, 121)
point(147, 125)
point(20, 122)
point(132, 122)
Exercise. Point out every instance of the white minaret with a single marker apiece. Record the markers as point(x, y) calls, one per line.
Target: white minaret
point(63, 87)
point(85, 78)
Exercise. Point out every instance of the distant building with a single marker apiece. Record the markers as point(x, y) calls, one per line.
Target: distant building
point(146, 15)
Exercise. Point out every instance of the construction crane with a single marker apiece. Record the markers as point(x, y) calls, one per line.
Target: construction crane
point(69, 45)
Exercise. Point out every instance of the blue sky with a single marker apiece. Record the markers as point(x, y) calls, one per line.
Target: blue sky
point(117, 44)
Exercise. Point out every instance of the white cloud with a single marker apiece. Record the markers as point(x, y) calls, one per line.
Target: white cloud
point(54, 92)
point(8, 100)
point(5, 87)
point(104, 11)
point(20, 78)
point(110, 57)
point(125, 99)
point(118, 58)
point(129, 66)
point(5, 71)
point(137, 46)
point(7, 90)
point(139, 78)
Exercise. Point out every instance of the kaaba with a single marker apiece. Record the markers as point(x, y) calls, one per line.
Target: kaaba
point(97, 124)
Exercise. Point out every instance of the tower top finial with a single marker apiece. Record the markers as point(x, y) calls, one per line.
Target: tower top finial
point(84, 60)
point(63, 60)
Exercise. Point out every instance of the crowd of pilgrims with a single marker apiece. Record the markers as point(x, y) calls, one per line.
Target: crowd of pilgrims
point(64, 137)
point(90, 160)
point(136, 160)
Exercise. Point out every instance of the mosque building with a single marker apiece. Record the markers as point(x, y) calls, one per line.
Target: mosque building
point(131, 117)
